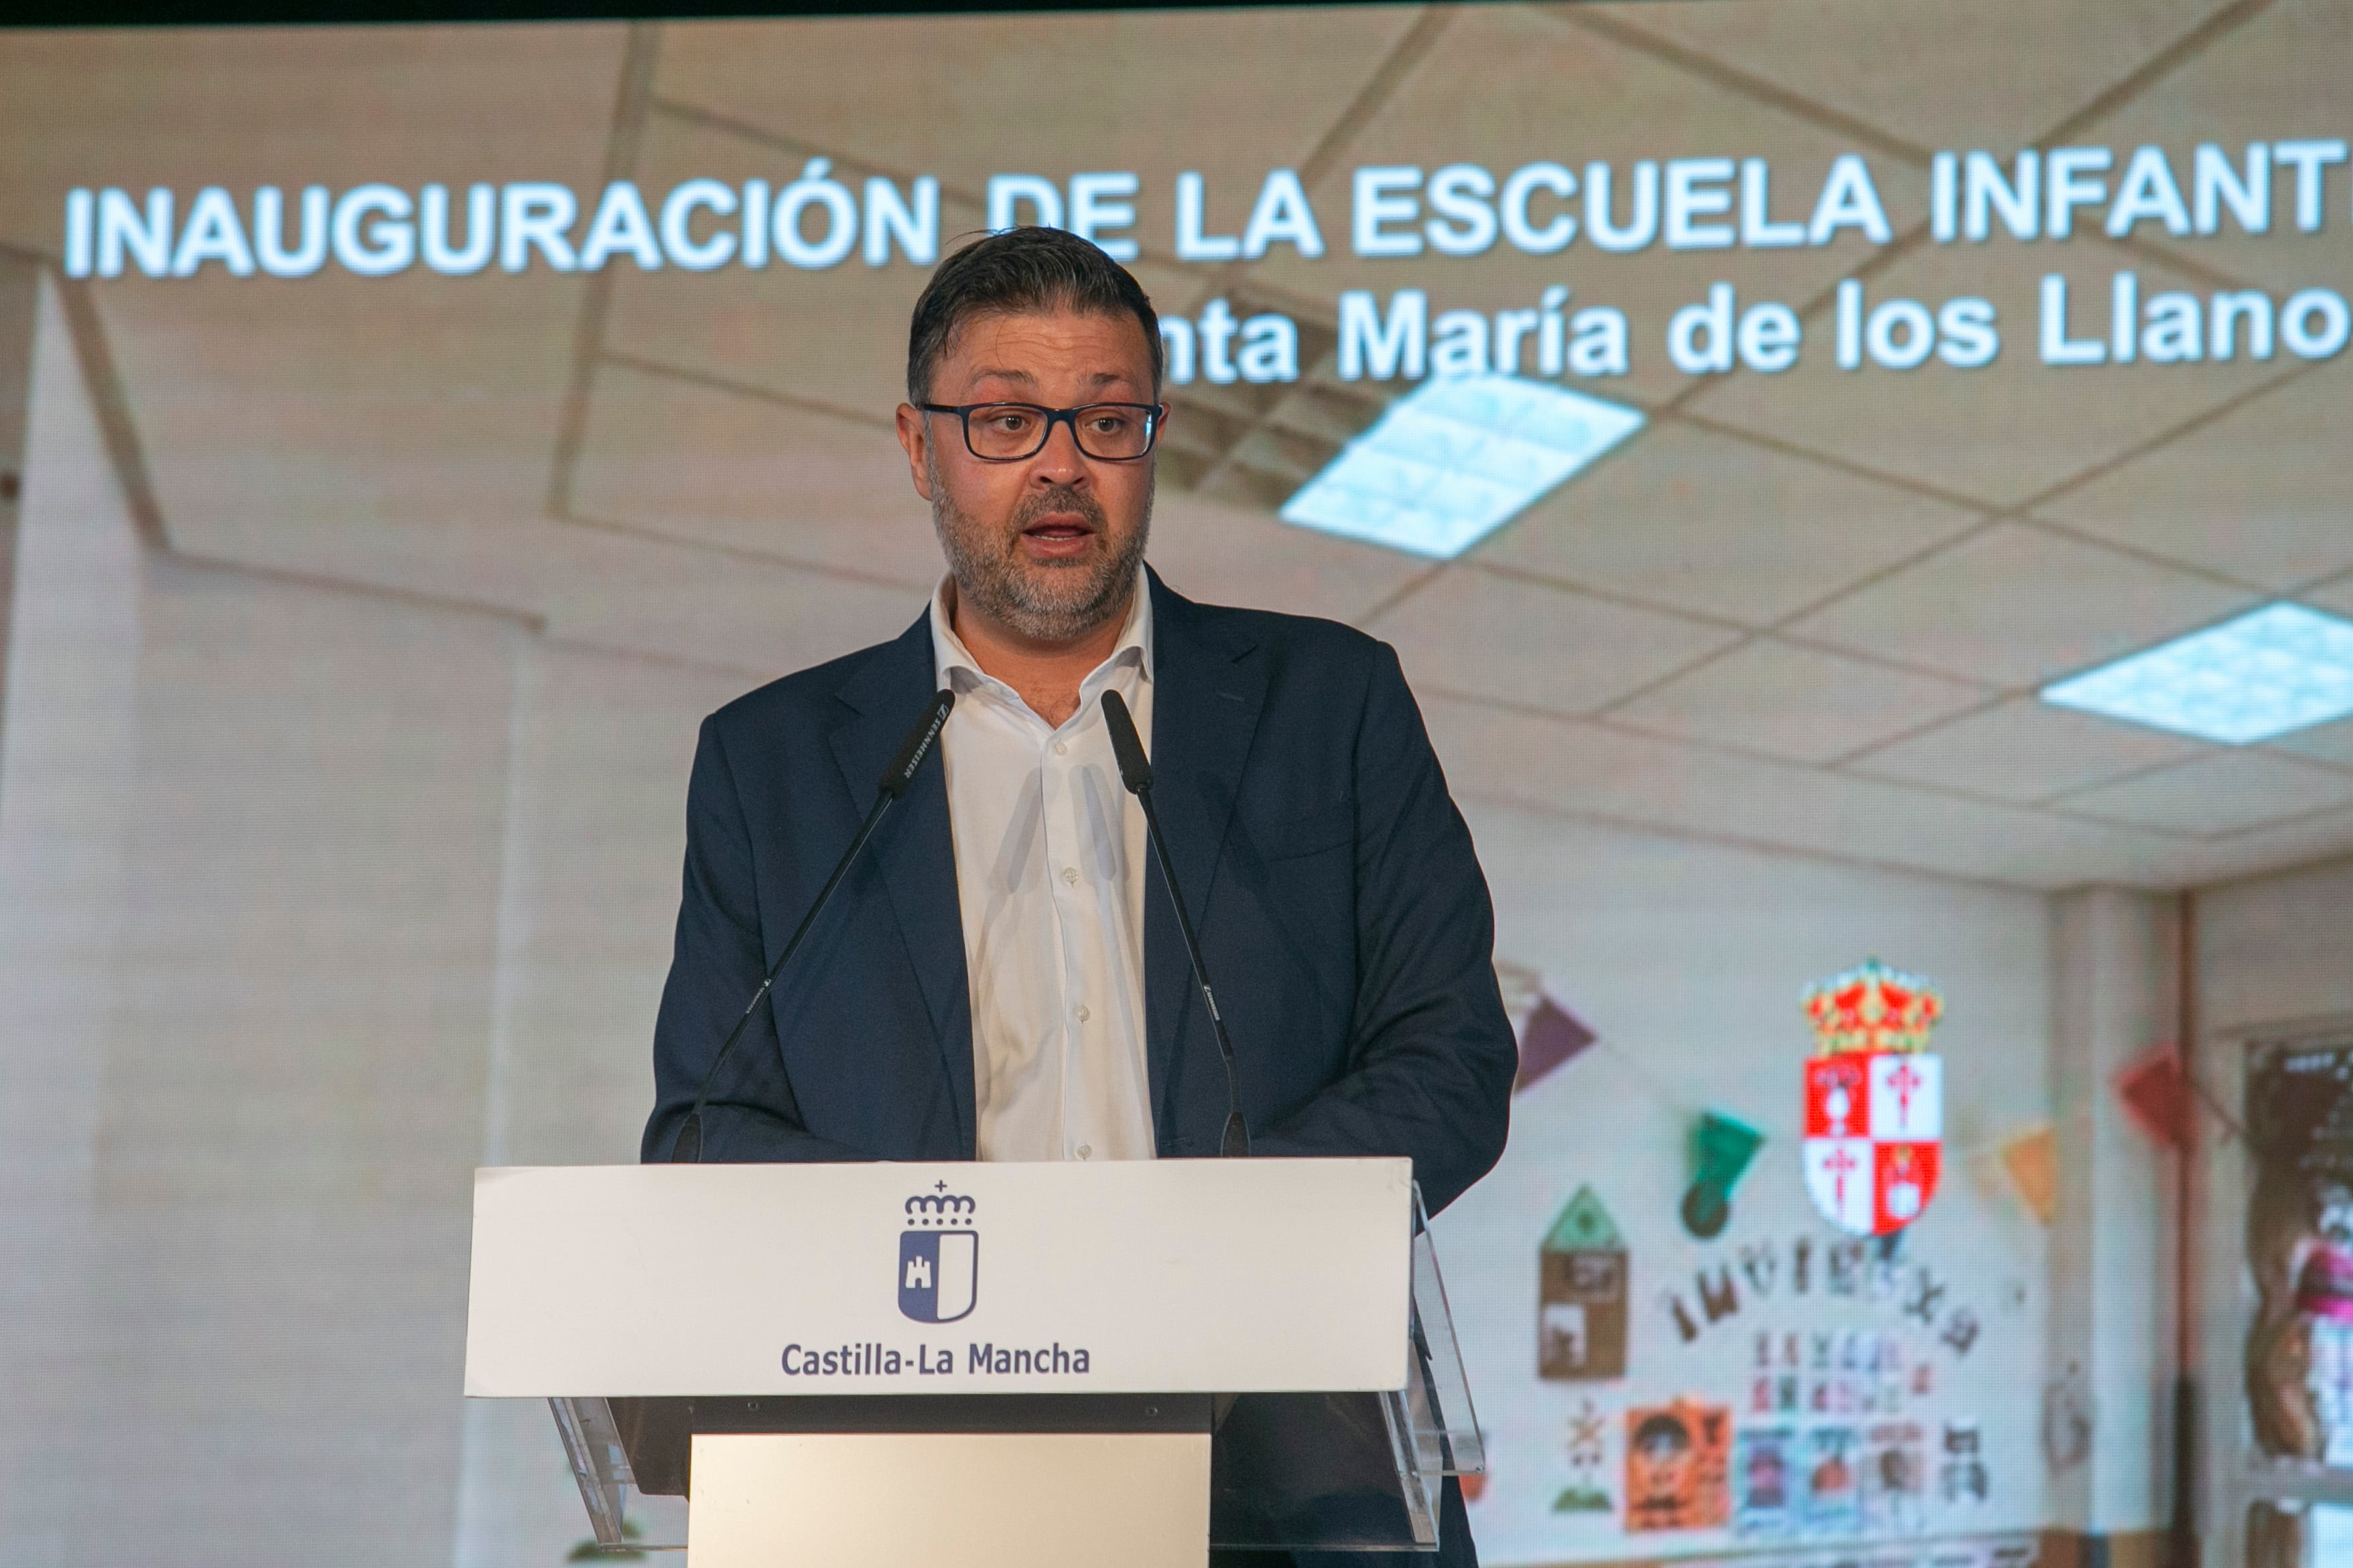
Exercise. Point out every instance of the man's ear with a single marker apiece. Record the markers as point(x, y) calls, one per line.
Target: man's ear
point(916, 435)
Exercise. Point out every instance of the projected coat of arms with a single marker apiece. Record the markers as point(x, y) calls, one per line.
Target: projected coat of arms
point(1874, 1100)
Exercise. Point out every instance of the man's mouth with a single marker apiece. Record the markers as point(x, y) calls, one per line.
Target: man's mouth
point(1058, 533)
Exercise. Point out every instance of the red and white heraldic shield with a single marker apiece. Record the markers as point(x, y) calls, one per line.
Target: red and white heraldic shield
point(1874, 1131)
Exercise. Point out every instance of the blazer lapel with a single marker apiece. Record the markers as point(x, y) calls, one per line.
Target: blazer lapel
point(1207, 692)
point(915, 846)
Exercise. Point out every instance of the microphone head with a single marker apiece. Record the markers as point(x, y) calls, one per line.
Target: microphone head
point(917, 745)
point(1135, 767)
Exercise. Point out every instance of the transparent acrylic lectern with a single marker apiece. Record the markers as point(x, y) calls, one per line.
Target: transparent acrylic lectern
point(1331, 1469)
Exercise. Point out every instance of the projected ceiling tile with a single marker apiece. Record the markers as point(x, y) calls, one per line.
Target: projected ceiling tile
point(651, 595)
point(1694, 520)
point(836, 335)
point(2335, 597)
point(1229, 94)
point(495, 564)
point(2224, 792)
point(2017, 427)
point(1982, 841)
point(1796, 703)
point(1553, 764)
point(283, 419)
point(1229, 554)
point(2262, 494)
point(2270, 672)
point(708, 467)
point(1254, 446)
point(1986, 89)
point(1474, 632)
point(1456, 459)
point(2322, 742)
point(269, 415)
point(2025, 750)
point(1586, 770)
point(2297, 842)
point(2248, 86)
point(2018, 606)
point(1504, 88)
point(240, 107)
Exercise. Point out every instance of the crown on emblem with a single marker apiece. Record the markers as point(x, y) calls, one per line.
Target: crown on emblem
point(941, 1207)
point(1873, 1009)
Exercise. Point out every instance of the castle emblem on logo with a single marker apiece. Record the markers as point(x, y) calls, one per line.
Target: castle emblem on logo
point(939, 1257)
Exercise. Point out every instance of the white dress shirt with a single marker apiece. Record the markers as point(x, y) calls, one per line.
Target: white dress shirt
point(1049, 856)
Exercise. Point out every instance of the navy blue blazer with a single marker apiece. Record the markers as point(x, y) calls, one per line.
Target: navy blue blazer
point(1341, 912)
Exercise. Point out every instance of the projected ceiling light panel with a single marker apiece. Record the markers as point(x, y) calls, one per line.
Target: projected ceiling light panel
point(2277, 669)
point(1457, 459)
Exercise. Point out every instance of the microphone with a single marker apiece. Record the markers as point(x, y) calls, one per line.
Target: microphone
point(1136, 773)
point(688, 1149)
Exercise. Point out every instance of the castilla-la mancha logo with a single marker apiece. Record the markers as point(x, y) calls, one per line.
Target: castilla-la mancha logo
point(939, 1257)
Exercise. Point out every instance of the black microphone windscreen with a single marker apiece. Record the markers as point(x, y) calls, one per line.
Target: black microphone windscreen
point(1135, 767)
point(918, 743)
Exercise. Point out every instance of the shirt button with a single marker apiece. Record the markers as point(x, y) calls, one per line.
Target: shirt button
point(1086, 1150)
point(1062, 748)
point(1084, 1015)
point(1070, 875)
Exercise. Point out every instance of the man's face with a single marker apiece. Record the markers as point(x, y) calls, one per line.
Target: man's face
point(1655, 1473)
point(1046, 547)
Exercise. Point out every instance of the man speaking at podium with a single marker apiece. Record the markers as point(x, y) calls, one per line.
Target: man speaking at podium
point(992, 979)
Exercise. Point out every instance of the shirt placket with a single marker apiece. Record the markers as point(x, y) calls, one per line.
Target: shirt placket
point(1073, 908)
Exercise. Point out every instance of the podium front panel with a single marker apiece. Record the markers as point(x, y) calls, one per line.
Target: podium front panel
point(1160, 1277)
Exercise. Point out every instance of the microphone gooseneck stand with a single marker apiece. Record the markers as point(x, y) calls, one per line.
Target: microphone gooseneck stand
point(1135, 774)
point(688, 1149)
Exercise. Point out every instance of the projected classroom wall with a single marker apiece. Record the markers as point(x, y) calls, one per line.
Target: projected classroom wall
point(1764, 429)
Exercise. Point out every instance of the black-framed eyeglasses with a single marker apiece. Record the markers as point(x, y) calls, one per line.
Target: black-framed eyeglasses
point(1010, 432)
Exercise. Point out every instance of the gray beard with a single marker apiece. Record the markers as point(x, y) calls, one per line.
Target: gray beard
point(1069, 601)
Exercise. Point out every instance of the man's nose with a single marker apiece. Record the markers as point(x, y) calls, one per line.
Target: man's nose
point(1060, 462)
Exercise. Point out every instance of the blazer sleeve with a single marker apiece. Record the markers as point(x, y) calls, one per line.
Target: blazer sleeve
point(1432, 1057)
point(716, 965)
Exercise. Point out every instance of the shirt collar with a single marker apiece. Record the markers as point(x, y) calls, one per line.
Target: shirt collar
point(951, 658)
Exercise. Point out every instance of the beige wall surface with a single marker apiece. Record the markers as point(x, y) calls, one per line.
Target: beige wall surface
point(1687, 961)
point(68, 793)
point(2277, 952)
point(318, 898)
point(256, 829)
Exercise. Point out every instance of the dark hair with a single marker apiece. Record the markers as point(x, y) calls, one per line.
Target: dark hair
point(1663, 1431)
point(1013, 272)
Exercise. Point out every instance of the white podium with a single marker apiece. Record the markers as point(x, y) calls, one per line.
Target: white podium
point(1049, 1365)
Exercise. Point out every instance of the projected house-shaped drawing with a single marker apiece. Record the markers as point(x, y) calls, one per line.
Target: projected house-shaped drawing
point(1581, 1294)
